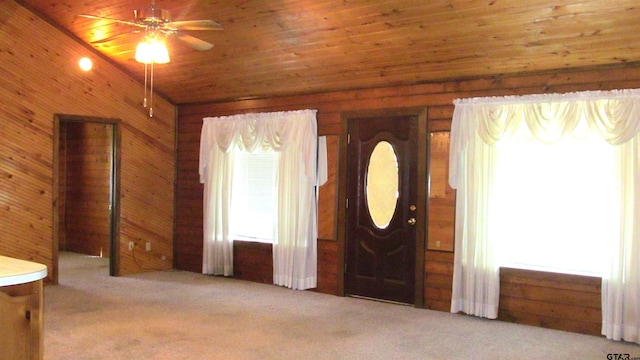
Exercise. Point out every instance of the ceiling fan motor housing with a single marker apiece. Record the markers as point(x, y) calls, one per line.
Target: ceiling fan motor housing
point(152, 16)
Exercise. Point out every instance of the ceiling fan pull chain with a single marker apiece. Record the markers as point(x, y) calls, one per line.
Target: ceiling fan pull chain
point(151, 93)
point(144, 102)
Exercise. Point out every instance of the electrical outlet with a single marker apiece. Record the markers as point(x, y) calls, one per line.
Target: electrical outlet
point(148, 246)
point(131, 245)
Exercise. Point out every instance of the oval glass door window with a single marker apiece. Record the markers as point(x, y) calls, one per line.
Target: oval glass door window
point(381, 184)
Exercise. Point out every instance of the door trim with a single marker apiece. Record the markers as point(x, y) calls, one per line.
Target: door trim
point(114, 246)
point(421, 231)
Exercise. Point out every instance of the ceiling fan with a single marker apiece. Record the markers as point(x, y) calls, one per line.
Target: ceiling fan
point(155, 21)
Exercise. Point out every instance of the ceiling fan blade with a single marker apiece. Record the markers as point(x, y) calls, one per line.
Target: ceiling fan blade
point(114, 37)
point(194, 25)
point(195, 42)
point(110, 20)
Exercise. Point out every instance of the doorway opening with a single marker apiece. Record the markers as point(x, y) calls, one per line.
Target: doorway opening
point(86, 188)
point(383, 189)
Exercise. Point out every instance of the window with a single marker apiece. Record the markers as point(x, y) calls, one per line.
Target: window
point(292, 135)
point(556, 197)
point(555, 204)
point(253, 199)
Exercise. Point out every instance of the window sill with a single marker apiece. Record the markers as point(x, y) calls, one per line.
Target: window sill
point(248, 239)
point(541, 270)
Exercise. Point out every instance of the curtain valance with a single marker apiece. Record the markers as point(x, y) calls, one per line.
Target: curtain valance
point(614, 115)
point(266, 131)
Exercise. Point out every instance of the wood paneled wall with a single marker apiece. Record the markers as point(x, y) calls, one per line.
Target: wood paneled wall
point(442, 199)
point(253, 261)
point(438, 280)
point(557, 301)
point(84, 166)
point(520, 304)
point(39, 77)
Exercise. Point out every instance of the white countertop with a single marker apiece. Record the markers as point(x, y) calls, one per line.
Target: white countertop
point(14, 271)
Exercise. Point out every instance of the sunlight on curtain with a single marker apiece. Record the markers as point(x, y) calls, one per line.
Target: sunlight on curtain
point(294, 135)
point(486, 199)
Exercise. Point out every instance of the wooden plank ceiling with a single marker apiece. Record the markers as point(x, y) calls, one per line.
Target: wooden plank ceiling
point(284, 47)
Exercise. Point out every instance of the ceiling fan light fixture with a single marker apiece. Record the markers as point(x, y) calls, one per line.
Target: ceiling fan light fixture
point(151, 50)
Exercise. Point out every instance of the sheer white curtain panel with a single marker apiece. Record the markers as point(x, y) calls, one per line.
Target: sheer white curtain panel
point(479, 124)
point(294, 135)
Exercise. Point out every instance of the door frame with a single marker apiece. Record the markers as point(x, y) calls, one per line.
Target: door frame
point(114, 193)
point(421, 193)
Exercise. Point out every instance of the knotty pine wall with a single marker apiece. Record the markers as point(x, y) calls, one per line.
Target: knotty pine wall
point(39, 77)
point(548, 300)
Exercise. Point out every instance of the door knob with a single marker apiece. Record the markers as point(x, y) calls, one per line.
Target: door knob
point(411, 221)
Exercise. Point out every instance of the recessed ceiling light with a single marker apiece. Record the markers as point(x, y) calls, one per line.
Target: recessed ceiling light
point(85, 64)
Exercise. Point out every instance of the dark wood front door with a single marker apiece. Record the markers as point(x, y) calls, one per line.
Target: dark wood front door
point(381, 249)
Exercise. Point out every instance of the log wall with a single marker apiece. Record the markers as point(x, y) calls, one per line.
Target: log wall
point(533, 301)
point(39, 77)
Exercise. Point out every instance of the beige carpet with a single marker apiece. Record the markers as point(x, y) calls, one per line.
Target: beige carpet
point(183, 315)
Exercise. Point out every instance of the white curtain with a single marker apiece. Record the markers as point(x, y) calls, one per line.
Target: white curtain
point(294, 135)
point(479, 124)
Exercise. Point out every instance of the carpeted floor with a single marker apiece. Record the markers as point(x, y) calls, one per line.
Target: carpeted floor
point(183, 315)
